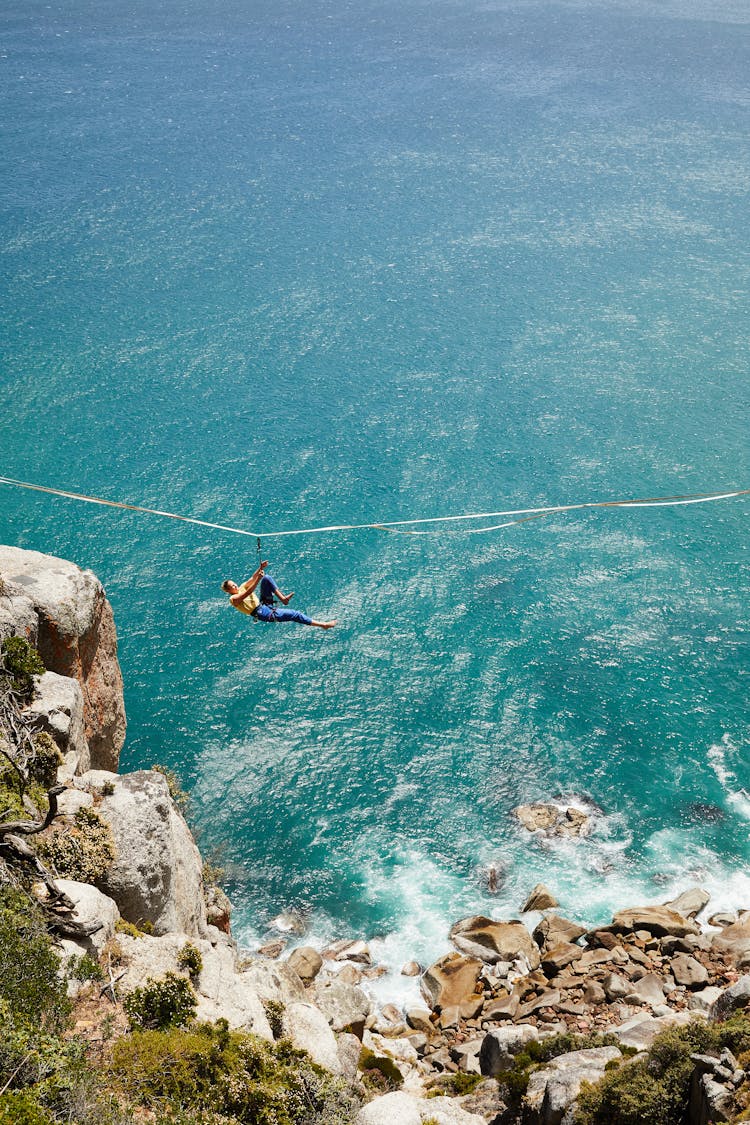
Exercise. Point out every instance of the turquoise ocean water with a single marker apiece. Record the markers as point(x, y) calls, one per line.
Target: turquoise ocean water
point(282, 264)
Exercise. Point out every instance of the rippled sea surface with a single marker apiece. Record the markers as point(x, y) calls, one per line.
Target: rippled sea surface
point(278, 265)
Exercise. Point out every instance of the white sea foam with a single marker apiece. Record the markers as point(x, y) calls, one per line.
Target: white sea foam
point(736, 795)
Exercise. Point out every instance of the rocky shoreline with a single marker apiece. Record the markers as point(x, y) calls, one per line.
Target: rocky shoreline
point(506, 983)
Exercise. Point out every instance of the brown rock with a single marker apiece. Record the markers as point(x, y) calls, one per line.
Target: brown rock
point(218, 909)
point(557, 958)
point(411, 969)
point(552, 930)
point(537, 816)
point(574, 823)
point(601, 938)
point(689, 972)
point(539, 899)
point(419, 1020)
point(734, 940)
point(450, 981)
point(273, 950)
point(494, 941)
point(550, 998)
point(306, 963)
point(593, 993)
point(659, 920)
point(504, 1008)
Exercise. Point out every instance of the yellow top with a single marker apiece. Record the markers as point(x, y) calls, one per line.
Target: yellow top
point(250, 603)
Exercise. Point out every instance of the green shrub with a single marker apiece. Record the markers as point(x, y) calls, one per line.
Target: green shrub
point(83, 852)
point(190, 961)
point(29, 966)
point(161, 1003)
point(123, 927)
point(380, 1072)
point(20, 1107)
point(46, 761)
point(209, 1069)
point(653, 1090)
point(21, 662)
point(85, 968)
point(274, 1010)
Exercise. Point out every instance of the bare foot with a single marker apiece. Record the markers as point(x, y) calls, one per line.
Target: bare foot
point(286, 598)
point(323, 624)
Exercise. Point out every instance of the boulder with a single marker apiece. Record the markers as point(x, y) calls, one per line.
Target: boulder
point(640, 1030)
point(647, 990)
point(690, 902)
point(221, 991)
point(157, 873)
point(349, 1050)
point(735, 997)
point(91, 906)
point(657, 920)
point(501, 1044)
point(411, 969)
point(345, 1006)
point(704, 1000)
point(494, 941)
point(552, 930)
point(553, 1089)
point(400, 1108)
point(466, 1056)
point(723, 918)
point(76, 638)
point(616, 987)
point(735, 940)
point(218, 909)
point(451, 981)
point(273, 980)
point(306, 963)
point(540, 898)
point(57, 708)
point(715, 1102)
point(557, 958)
point(308, 1030)
point(71, 800)
point(537, 817)
point(687, 971)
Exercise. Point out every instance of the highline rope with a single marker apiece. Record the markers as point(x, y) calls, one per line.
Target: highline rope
point(404, 527)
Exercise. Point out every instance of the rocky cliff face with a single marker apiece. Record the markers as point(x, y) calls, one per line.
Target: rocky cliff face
point(64, 612)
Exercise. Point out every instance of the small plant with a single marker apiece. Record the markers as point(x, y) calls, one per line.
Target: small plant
point(108, 788)
point(379, 1072)
point(127, 928)
point(190, 961)
point(83, 852)
point(21, 662)
point(274, 1010)
point(46, 761)
point(458, 1084)
point(161, 1004)
point(86, 968)
point(176, 792)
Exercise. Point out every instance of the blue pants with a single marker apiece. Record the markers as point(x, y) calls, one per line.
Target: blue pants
point(281, 613)
point(267, 611)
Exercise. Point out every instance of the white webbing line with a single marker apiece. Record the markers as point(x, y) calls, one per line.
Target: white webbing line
point(395, 525)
